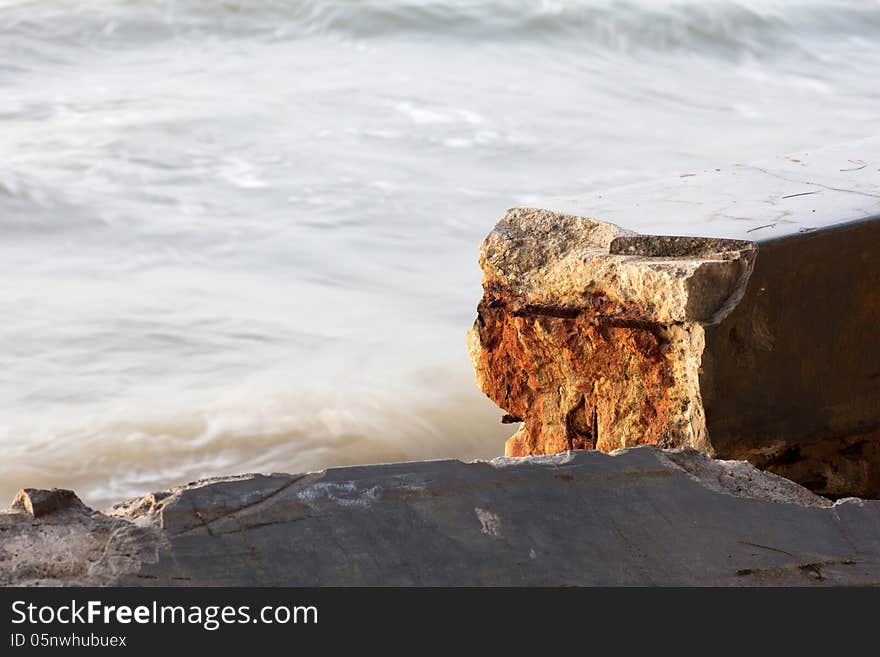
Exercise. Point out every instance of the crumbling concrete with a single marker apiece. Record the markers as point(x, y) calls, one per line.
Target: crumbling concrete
point(642, 516)
point(756, 339)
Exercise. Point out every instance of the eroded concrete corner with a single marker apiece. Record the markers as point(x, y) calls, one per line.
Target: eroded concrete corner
point(592, 336)
point(595, 337)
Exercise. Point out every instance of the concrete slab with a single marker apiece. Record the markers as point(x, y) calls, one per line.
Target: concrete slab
point(638, 517)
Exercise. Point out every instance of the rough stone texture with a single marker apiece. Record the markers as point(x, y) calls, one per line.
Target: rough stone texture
point(641, 516)
point(763, 349)
point(592, 337)
point(50, 538)
point(38, 503)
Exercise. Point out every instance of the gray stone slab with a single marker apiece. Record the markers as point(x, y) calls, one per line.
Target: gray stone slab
point(642, 516)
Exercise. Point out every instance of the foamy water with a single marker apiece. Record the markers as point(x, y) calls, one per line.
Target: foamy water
point(242, 236)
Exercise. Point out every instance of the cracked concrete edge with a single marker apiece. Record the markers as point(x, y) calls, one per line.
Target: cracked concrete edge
point(341, 485)
point(740, 479)
point(550, 260)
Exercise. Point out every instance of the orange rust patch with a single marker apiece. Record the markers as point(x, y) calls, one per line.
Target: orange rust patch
point(573, 375)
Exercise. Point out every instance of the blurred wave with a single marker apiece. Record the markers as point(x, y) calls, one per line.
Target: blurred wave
point(128, 452)
point(707, 26)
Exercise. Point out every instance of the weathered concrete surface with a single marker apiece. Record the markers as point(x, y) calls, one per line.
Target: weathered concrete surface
point(638, 517)
point(759, 339)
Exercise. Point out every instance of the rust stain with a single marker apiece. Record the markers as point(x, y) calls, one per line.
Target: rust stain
point(575, 378)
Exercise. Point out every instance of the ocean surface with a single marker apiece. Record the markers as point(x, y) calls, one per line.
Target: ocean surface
point(242, 236)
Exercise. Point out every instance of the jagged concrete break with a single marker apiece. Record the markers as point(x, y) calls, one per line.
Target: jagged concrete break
point(736, 344)
point(592, 337)
point(641, 516)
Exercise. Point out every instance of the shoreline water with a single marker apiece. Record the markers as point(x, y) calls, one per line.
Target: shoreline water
point(246, 239)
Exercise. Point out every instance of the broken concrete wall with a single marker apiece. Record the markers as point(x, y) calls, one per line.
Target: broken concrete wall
point(592, 337)
point(596, 337)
